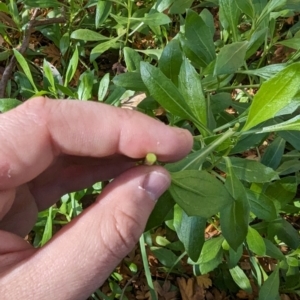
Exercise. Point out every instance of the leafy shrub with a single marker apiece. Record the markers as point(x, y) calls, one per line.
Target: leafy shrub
point(229, 87)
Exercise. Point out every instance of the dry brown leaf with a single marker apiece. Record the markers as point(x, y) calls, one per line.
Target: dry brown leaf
point(204, 281)
point(164, 292)
point(53, 53)
point(190, 290)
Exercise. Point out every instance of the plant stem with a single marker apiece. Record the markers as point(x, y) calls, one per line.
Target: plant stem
point(229, 88)
point(146, 268)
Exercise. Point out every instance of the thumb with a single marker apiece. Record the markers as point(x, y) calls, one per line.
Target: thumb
point(84, 253)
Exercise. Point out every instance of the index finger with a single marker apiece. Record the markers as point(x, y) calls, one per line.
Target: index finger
point(37, 131)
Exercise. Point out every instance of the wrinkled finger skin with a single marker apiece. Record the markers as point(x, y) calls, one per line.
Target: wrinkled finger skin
point(52, 147)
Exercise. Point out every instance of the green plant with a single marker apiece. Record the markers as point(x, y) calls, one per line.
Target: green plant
point(224, 83)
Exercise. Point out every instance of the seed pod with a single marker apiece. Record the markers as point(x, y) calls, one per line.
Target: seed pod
point(150, 159)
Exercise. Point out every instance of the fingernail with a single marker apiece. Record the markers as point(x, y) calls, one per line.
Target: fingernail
point(155, 184)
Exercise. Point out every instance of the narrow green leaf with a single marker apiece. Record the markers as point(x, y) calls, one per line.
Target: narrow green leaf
point(261, 205)
point(255, 242)
point(246, 6)
point(72, 66)
point(198, 193)
point(179, 7)
point(270, 289)
point(132, 59)
point(274, 95)
point(210, 249)
point(22, 62)
point(103, 87)
point(266, 72)
point(163, 208)
point(234, 217)
point(99, 49)
point(229, 14)
point(7, 104)
point(199, 38)
point(103, 9)
point(154, 19)
point(292, 124)
point(250, 170)
point(273, 155)
point(164, 91)
point(190, 231)
point(241, 279)
point(273, 251)
point(234, 256)
point(230, 58)
point(194, 160)
point(191, 88)
point(86, 85)
point(171, 60)
point(88, 35)
point(130, 81)
point(165, 256)
point(285, 232)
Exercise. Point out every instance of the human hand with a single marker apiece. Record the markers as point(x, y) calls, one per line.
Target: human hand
point(52, 147)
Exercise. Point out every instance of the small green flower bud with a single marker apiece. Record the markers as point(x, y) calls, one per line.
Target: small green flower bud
point(150, 159)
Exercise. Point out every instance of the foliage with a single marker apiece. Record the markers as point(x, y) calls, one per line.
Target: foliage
point(233, 82)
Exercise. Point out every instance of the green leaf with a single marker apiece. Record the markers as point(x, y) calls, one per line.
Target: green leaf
point(229, 15)
point(246, 6)
point(99, 49)
point(255, 242)
point(72, 66)
point(289, 167)
point(164, 91)
point(261, 205)
point(190, 231)
point(132, 59)
point(22, 62)
point(241, 279)
point(250, 170)
point(292, 124)
point(88, 35)
point(199, 38)
point(7, 104)
point(282, 191)
point(230, 58)
point(154, 19)
point(194, 160)
point(179, 7)
point(162, 209)
point(103, 87)
point(273, 251)
point(191, 88)
point(211, 255)
point(266, 72)
point(130, 81)
point(234, 217)
point(86, 85)
point(234, 256)
point(274, 95)
point(198, 193)
point(273, 155)
point(165, 256)
point(64, 43)
point(270, 289)
point(171, 60)
point(42, 3)
point(103, 9)
point(285, 232)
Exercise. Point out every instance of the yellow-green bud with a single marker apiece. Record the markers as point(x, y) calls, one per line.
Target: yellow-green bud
point(150, 159)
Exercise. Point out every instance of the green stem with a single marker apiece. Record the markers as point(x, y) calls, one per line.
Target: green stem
point(129, 8)
point(229, 88)
point(146, 268)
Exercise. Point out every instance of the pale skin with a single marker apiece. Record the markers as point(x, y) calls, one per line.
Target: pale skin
point(52, 147)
